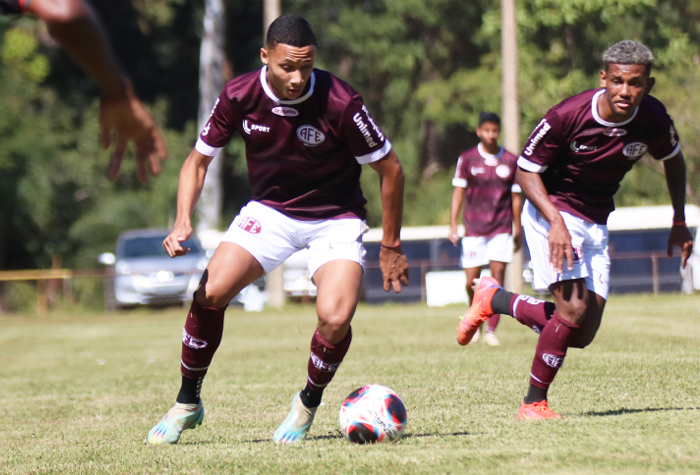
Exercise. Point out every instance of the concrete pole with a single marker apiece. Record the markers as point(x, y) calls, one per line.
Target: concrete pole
point(274, 281)
point(511, 123)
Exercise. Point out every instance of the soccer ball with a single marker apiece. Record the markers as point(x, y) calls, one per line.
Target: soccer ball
point(372, 413)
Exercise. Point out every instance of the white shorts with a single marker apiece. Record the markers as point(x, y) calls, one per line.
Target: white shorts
point(478, 251)
point(590, 243)
point(271, 237)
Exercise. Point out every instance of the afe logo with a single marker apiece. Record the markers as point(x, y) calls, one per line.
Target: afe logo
point(634, 150)
point(250, 225)
point(310, 135)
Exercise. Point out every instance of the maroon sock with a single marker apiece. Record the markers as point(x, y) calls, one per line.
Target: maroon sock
point(325, 359)
point(200, 339)
point(551, 350)
point(531, 312)
point(492, 322)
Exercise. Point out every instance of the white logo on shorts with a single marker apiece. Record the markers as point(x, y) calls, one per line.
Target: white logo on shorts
point(249, 224)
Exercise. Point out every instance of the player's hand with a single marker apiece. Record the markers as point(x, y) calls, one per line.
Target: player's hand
point(128, 118)
point(680, 237)
point(560, 249)
point(517, 241)
point(394, 266)
point(173, 242)
point(453, 236)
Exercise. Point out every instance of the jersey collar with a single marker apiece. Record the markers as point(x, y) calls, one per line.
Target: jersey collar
point(271, 95)
point(600, 120)
point(485, 154)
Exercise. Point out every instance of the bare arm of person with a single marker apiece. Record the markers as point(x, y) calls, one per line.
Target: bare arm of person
point(676, 181)
point(455, 210)
point(560, 248)
point(76, 27)
point(392, 260)
point(189, 189)
point(517, 202)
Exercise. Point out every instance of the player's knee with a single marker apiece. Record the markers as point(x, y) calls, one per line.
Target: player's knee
point(334, 327)
point(573, 311)
point(582, 340)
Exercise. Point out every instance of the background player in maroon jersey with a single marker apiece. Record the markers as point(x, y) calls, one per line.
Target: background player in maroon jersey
point(74, 25)
point(485, 182)
point(306, 135)
point(570, 168)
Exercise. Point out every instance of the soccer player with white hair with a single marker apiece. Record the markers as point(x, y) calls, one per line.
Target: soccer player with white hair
point(570, 168)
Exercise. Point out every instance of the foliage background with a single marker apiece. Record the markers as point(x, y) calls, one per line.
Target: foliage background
point(426, 68)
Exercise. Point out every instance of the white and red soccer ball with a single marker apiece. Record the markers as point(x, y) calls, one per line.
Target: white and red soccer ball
point(371, 414)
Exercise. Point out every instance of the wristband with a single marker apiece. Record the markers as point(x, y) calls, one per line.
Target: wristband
point(681, 223)
point(391, 247)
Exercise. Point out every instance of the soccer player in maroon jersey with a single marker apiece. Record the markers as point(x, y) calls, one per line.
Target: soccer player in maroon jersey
point(570, 168)
point(306, 135)
point(74, 25)
point(485, 182)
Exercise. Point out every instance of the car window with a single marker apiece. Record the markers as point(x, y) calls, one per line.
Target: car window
point(152, 246)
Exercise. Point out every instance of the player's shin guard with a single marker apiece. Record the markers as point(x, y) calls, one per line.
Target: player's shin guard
point(531, 312)
point(325, 360)
point(551, 351)
point(201, 337)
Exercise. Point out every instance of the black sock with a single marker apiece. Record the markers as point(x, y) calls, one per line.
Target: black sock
point(500, 303)
point(189, 390)
point(310, 397)
point(535, 394)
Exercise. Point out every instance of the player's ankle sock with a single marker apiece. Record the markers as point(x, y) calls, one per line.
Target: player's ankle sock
point(531, 312)
point(201, 337)
point(325, 359)
point(551, 351)
point(500, 302)
point(189, 390)
point(492, 322)
point(311, 397)
point(535, 394)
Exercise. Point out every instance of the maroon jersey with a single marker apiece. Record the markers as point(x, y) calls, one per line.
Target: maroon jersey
point(303, 155)
point(489, 181)
point(12, 6)
point(583, 158)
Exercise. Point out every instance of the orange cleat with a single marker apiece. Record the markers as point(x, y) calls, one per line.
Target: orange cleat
point(536, 411)
point(479, 311)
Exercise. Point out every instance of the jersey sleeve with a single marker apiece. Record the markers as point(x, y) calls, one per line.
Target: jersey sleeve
point(665, 145)
point(542, 147)
point(365, 139)
point(8, 7)
point(219, 128)
point(460, 178)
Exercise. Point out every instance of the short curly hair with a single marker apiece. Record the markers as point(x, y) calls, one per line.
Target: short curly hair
point(290, 30)
point(629, 52)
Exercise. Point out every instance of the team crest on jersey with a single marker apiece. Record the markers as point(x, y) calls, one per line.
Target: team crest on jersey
point(634, 150)
point(284, 111)
point(490, 161)
point(614, 132)
point(249, 225)
point(503, 171)
point(310, 135)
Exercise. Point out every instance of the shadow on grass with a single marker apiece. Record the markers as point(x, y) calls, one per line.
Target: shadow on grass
point(340, 436)
point(619, 412)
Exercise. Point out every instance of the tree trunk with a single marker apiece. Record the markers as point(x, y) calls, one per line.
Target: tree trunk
point(211, 82)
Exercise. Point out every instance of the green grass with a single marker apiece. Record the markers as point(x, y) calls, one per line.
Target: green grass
point(78, 394)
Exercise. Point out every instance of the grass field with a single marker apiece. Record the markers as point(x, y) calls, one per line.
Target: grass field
point(79, 392)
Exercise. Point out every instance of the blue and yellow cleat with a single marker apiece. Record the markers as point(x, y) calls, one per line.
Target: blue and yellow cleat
point(297, 424)
point(179, 418)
